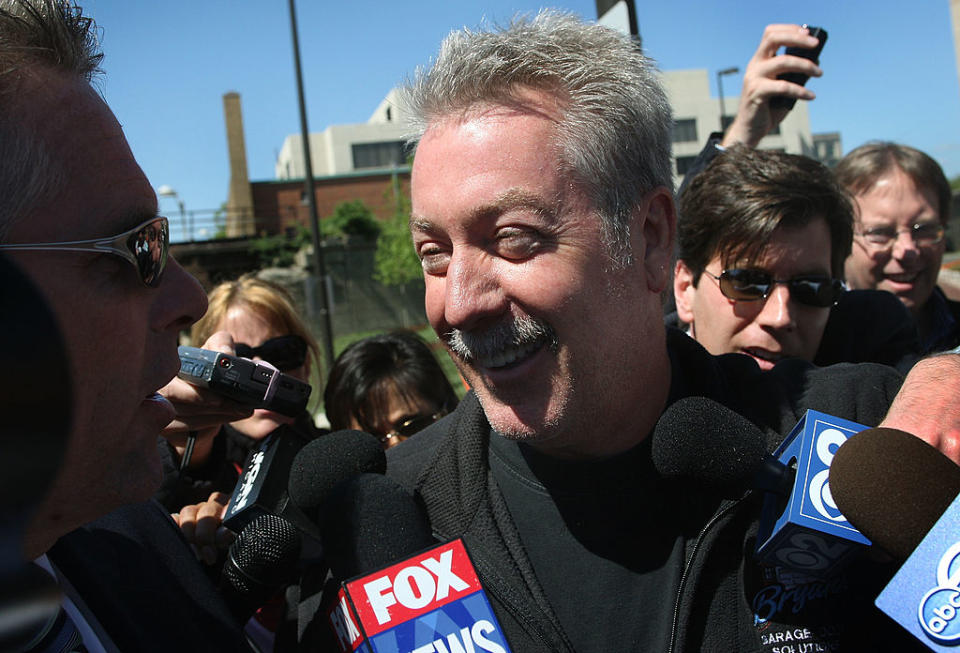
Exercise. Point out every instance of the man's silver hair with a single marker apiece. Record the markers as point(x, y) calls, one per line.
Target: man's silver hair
point(615, 131)
point(50, 34)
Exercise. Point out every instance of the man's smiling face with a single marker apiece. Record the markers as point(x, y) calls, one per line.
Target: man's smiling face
point(907, 269)
point(519, 281)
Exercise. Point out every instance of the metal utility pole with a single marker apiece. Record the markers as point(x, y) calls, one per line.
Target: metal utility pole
point(620, 15)
point(720, 74)
point(321, 269)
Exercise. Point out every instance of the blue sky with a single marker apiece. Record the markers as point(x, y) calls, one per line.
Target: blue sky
point(890, 69)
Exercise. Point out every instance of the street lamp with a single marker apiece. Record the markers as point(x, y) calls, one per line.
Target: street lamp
point(720, 73)
point(167, 191)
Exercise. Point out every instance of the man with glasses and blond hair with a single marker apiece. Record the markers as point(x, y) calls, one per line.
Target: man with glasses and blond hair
point(902, 203)
point(79, 217)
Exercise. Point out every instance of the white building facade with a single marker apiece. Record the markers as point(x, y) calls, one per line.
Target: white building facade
point(378, 142)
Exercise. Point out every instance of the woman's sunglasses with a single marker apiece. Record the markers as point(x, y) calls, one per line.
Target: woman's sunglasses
point(746, 285)
point(285, 352)
point(411, 425)
point(145, 247)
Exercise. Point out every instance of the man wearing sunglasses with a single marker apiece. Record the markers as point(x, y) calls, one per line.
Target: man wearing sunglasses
point(903, 204)
point(79, 217)
point(763, 237)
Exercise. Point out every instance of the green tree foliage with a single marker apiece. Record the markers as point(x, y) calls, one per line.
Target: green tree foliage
point(220, 221)
point(279, 251)
point(396, 262)
point(352, 218)
point(955, 183)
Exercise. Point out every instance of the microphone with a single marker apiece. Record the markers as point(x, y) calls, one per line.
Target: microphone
point(701, 442)
point(262, 559)
point(372, 522)
point(902, 493)
point(328, 461)
point(36, 398)
point(29, 607)
point(36, 402)
point(893, 486)
point(278, 464)
point(431, 600)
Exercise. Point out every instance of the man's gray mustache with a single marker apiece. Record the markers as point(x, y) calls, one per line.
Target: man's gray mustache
point(517, 331)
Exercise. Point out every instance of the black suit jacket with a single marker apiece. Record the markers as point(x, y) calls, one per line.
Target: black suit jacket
point(139, 577)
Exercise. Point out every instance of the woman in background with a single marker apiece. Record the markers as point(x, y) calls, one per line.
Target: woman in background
point(263, 324)
point(389, 385)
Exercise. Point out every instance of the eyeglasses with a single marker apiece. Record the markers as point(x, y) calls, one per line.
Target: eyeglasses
point(284, 352)
point(411, 425)
point(922, 233)
point(145, 246)
point(746, 285)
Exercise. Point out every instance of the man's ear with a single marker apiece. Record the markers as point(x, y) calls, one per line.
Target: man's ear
point(683, 291)
point(659, 229)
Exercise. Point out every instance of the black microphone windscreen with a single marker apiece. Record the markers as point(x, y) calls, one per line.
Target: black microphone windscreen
point(892, 486)
point(262, 559)
point(371, 522)
point(700, 441)
point(330, 460)
point(35, 394)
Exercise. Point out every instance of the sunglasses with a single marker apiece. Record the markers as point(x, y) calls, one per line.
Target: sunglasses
point(411, 425)
point(145, 247)
point(284, 352)
point(745, 285)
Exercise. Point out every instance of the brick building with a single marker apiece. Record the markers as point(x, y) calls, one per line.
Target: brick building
point(280, 204)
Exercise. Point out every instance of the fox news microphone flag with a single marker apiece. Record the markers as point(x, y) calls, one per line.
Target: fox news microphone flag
point(430, 602)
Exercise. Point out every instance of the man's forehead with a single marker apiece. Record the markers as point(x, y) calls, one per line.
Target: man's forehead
point(102, 190)
point(892, 188)
point(788, 243)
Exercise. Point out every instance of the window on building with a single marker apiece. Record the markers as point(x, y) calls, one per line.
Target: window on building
point(377, 155)
point(685, 130)
point(684, 163)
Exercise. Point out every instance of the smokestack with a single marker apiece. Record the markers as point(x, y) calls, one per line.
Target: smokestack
point(240, 198)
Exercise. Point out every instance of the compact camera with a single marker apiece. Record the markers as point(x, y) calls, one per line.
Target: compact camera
point(247, 382)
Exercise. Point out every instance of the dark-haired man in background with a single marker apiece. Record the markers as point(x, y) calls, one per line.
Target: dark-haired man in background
point(762, 240)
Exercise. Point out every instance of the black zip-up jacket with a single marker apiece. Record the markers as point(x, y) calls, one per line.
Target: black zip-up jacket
point(724, 601)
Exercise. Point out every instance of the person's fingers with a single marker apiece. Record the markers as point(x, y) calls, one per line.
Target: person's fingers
point(220, 341)
point(188, 522)
point(781, 35)
point(789, 63)
point(224, 537)
point(207, 519)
